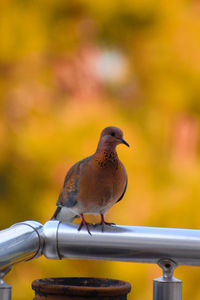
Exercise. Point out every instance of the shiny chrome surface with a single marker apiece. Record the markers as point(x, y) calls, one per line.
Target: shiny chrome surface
point(167, 289)
point(50, 234)
point(22, 241)
point(122, 243)
point(167, 247)
point(5, 289)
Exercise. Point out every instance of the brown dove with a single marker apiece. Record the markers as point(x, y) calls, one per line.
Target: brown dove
point(94, 184)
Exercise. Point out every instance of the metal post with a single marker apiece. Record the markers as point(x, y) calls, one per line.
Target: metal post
point(5, 289)
point(167, 287)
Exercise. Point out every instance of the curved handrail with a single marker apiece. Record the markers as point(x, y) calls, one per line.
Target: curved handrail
point(22, 241)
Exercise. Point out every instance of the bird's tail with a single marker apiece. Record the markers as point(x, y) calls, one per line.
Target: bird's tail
point(54, 217)
point(64, 214)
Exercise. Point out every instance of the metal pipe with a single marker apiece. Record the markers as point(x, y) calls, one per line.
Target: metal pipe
point(167, 247)
point(122, 243)
point(22, 241)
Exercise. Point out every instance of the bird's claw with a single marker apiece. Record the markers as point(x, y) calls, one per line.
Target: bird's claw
point(84, 223)
point(103, 223)
point(106, 223)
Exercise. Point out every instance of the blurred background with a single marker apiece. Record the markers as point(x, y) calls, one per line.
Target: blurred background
point(67, 70)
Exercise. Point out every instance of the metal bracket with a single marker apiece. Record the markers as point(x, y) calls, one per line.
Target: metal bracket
point(167, 287)
point(168, 266)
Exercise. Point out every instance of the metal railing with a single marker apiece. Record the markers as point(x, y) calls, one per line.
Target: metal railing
point(167, 247)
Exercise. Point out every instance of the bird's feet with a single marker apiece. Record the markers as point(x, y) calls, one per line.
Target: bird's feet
point(103, 222)
point(84, 223)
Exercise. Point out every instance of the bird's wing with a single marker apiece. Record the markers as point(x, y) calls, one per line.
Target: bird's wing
point(68, 194)
point(120, 198)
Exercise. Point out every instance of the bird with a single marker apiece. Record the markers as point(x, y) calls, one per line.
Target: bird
point(94, 184)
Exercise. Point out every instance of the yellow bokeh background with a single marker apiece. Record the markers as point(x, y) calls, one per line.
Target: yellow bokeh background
point(69, 69)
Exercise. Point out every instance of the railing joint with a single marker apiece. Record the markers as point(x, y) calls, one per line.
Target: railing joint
point(168, 266)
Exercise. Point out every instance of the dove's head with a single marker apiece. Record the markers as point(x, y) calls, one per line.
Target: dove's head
point(111, 137)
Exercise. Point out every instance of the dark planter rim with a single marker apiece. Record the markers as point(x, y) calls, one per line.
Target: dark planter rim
point(65, 286)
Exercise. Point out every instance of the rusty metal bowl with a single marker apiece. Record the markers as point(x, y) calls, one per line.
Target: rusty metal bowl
point(80, 288)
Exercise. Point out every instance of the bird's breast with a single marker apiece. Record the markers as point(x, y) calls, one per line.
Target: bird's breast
point(101, 185)
point(107, 160)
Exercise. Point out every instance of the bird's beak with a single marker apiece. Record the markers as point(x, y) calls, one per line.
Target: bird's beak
point(124, 142)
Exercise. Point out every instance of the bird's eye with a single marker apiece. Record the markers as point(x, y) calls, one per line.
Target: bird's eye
point(112, 133)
